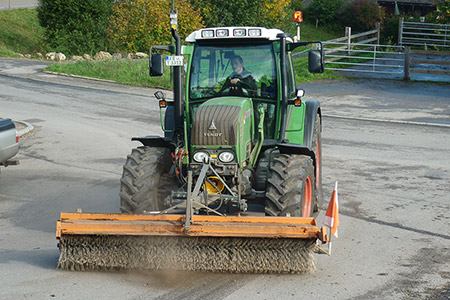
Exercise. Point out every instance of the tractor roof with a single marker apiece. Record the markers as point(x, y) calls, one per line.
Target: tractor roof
point(223, 33)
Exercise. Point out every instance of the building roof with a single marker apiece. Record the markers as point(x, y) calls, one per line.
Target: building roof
point(419, 2)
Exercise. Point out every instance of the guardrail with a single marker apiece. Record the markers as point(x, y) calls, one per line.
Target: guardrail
point(423, 34)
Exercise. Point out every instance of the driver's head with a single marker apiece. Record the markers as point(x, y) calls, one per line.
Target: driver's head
point(237, 63)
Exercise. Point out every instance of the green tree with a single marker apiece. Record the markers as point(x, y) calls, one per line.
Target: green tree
point(266, 13)
point(362, 15)
point(76, 26)
point(323, 12)
point(136, 25)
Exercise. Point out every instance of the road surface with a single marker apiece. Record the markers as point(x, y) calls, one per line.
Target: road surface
point(393, 173)
point(14, 4)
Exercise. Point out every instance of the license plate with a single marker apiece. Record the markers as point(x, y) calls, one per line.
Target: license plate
point(174, 60)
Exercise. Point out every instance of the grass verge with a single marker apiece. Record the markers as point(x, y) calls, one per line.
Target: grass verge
point(136, 72)
point(302, 74)
point(130, 72)
point(20, 32)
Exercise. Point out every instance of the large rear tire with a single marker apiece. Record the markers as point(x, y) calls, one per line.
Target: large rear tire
point(317, 148)
point(146, 181)
point(291, 186)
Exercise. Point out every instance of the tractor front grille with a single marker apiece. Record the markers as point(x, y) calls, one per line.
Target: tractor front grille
point(216, 125)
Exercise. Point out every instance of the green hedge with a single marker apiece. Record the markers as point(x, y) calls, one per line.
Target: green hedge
point(75, 26)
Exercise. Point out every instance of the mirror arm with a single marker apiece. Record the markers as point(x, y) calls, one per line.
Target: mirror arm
point(292, 46)
point(169, 48)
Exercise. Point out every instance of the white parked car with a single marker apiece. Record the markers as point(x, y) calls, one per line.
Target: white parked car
point(9, 142)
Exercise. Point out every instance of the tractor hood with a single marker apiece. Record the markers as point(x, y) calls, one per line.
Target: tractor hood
point(221, 121)
point(224, 122)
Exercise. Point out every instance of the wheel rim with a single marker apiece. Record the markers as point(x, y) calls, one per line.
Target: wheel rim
point(307, 198)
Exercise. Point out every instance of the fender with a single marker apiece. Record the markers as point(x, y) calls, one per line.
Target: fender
point(156, 141)
point(312, 109)
point(286, 148)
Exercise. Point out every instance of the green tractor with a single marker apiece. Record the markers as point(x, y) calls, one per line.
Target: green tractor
point(234, 183)
point(238, 138)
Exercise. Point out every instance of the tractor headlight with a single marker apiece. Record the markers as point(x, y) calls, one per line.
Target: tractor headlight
point(200, 156)
point(254, 32)
point(221, 32)
point(226, 156)
point(207, 33)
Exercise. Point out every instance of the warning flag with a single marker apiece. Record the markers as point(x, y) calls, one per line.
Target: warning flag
point(332, 216)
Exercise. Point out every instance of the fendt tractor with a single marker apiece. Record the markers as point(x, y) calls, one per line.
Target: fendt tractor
point(234, 183)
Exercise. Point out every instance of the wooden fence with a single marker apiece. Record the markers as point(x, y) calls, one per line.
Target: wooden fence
point(426, 66)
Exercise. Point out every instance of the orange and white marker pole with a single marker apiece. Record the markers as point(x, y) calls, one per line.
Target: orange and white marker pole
point(331, 219)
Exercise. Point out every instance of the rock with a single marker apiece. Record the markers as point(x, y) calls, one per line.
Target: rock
point(87, 57)
point(39, 55)
point(140, 55)
point(117, 56)
point(102, 55)
point(60, 57)
point(130, 56)
point(50, 55)
point(77, 57)
point(20, 55)
point(27, 55)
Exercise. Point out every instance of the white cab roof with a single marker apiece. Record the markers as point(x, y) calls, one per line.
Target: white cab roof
point(222, 33)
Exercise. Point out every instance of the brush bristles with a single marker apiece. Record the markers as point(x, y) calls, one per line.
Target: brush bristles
point(205, 254)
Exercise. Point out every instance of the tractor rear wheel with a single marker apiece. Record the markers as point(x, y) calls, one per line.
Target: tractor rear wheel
point(146, 181)
point(291, 186)
point(317, 148)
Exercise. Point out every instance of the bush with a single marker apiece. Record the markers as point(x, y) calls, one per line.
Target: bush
point(137, 25)
point(389, 30)
point(76, 26)
point(323, 12)
point(362, 15)
point(442, 14)
point(266, 13)
point(296, 5)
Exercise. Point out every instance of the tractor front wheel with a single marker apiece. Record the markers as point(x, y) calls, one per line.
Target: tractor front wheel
point(291, 188)
point(146, 181)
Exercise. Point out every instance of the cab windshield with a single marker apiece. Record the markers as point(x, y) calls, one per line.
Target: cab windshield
point(233, 71)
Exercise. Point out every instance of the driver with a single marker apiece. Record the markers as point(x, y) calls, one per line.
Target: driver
point(239, 80)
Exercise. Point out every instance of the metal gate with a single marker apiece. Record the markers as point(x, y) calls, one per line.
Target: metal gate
point(423, 34)
point(364, 58)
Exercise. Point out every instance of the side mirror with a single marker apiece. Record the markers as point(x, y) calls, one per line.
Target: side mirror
point(160, 95)
point(156, 65)
point(315, 61)
point(300, 93)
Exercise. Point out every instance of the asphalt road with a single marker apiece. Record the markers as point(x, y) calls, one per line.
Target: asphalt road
point(393, 172)
point(14, 4)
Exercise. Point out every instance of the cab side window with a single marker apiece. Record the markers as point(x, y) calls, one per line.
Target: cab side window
point(290, 77)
